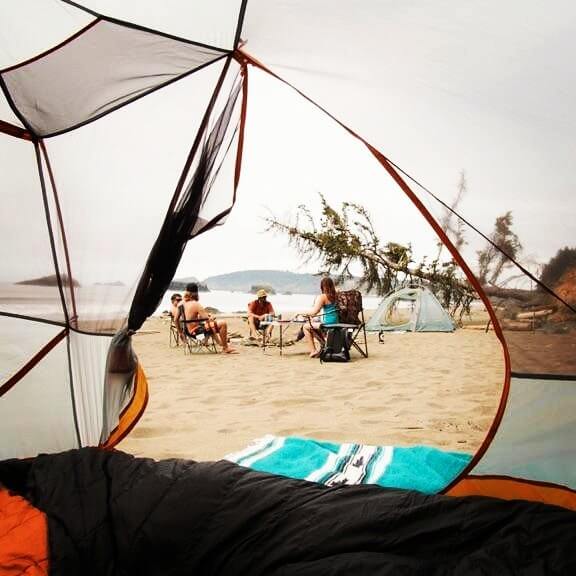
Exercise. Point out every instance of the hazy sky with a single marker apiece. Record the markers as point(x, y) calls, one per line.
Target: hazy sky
point(438, 88)
point(292, 154)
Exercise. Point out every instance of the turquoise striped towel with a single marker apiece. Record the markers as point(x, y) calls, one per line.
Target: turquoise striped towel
point(421, 468)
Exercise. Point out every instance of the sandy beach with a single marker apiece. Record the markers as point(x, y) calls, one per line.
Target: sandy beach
point(435, 389)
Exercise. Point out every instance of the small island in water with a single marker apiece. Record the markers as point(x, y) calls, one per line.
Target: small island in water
point(181, 283)
point(51, 280)
point(255, 287)
point(117, 283)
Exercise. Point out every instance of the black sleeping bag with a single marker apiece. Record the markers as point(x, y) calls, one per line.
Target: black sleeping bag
point(110, 513)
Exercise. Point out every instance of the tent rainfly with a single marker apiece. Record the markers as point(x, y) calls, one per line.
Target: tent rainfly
point(121, 139)
point(410, 310)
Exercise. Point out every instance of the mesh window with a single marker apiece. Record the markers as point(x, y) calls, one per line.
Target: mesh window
point(106, 66)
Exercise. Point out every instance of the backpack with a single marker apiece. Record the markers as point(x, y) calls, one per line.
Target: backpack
point(336, 346)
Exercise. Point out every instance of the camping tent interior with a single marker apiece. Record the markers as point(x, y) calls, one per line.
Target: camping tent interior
point(137, 148)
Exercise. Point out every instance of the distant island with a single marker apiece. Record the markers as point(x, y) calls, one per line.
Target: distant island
point(274, 281)
point(51, 280)
point(279, 281)
point(181, 283)
point(117, 283)
point(254, 289)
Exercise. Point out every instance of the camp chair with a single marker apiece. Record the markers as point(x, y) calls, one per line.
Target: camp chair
point(351, 319)
point(174, 332)
point(261, 330)
point(197, 340)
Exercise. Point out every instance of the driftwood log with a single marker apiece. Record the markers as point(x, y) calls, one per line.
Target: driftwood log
point(519, 325)
point(522, 297)
point(534, 314)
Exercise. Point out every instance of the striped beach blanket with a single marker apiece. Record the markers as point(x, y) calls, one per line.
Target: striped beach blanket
point(421, 468)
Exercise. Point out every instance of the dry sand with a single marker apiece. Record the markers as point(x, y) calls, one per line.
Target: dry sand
point(435, 389)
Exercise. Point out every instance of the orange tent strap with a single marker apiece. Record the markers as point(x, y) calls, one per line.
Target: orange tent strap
point(132, 413)
point(23, 537)
point(513, 489)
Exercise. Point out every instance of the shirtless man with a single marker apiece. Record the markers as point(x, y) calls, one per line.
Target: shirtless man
point(193, 310)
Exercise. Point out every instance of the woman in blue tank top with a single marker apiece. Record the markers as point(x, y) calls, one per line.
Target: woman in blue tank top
point(325, 311)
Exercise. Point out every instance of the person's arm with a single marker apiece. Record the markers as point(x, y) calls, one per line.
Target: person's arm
point(179, 318)
point(201, 312)
point(251, 311)
point(317, 306)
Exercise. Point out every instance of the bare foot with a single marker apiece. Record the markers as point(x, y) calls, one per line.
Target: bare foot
point(230, 350)
point(314, 354)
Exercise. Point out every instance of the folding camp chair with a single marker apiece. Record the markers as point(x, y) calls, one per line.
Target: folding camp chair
point(351, 319)
point(175, 336)
point(197, 338)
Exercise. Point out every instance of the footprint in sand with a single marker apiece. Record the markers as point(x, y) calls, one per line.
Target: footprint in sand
point(367, 422)
point(373, 409)
point(148, 432)
point(293, 402)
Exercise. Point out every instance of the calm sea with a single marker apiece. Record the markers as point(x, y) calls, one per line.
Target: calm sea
point(97, 302)
point(233, 302)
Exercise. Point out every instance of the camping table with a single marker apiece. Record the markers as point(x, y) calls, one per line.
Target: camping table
point(283, 325)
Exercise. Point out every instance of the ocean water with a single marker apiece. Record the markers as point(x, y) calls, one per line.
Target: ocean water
point(227, 302)
point(112, 302)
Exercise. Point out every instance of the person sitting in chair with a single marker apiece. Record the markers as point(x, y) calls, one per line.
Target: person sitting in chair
point(325, 311)
point(257, 311)
point(192, 310)
point(175, 301)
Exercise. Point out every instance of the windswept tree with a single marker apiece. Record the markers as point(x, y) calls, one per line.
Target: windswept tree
point(450, 223)
point(504, 246)
point(346, 238)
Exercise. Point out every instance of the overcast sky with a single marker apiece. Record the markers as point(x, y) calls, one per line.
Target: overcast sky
point(438, 88)
point(292, 154)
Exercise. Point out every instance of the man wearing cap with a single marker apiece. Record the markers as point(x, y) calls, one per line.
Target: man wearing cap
point(257, 311)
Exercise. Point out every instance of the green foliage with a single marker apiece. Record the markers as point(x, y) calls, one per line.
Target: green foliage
point(346, 237)
point(565, 259)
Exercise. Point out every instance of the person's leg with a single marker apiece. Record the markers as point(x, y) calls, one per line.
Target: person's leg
point(216, 337)
point(252, 323)
point(223, 334)
point(310, 339)
point(260, 332)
